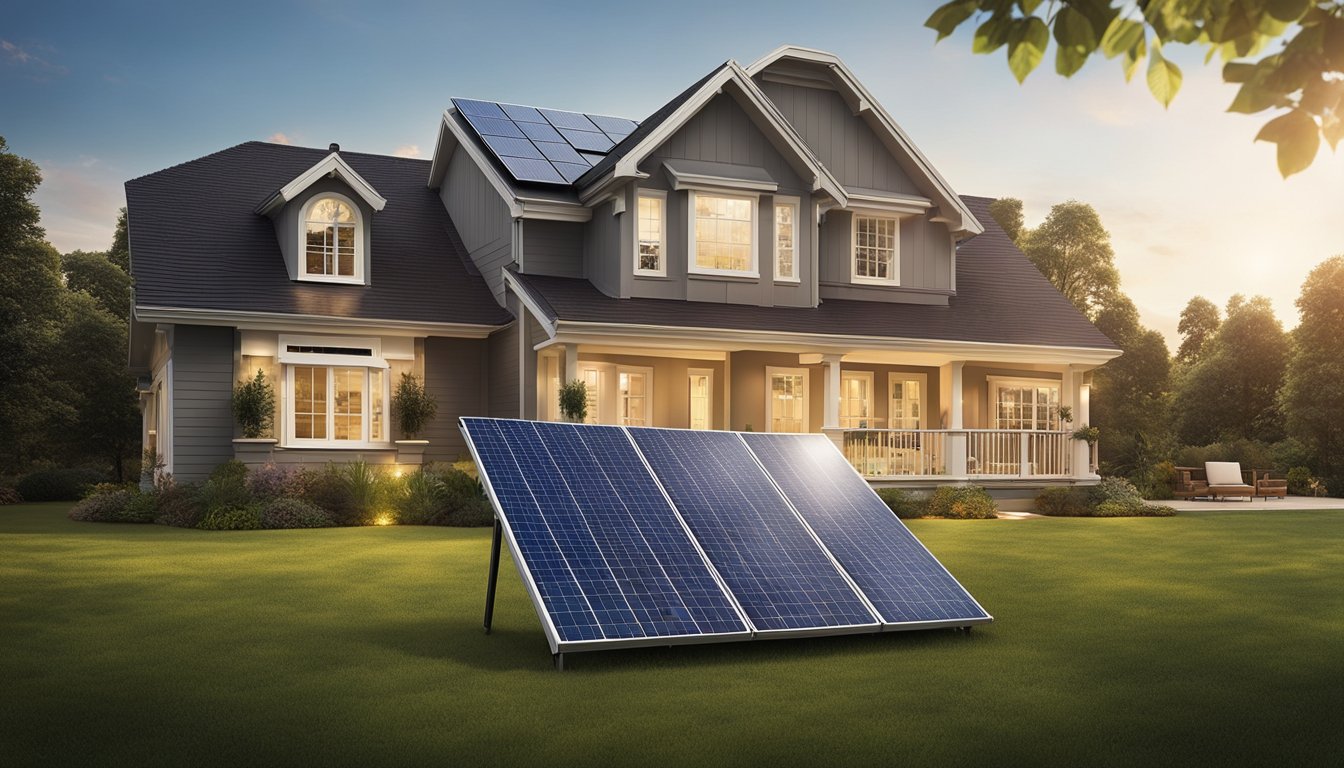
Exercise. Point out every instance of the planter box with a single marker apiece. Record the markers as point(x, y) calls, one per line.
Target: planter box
point(254, 451)
point(411, 451)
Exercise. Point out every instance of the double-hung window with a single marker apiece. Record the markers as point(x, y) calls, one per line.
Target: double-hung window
point(877, 249)
point(722, 234)
point(651, 234)
point(1025, 404)
point(905, 410)
point(856, 400)
point(786, 239)
point(786, 399)
point(333, 248)
point(335, 392)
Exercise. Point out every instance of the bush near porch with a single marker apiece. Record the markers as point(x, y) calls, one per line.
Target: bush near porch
point(271, 497)
point(959, 502)
point(1112, 497)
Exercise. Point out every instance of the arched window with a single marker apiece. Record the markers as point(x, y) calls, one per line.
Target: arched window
point(332, 239)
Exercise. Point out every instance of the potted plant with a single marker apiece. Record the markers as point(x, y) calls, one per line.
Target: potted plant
point(412, 408)
point(574, 401)
point(254, 410)
point(1088, 434)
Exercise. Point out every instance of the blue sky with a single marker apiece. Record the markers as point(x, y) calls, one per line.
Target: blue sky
point(101, 93)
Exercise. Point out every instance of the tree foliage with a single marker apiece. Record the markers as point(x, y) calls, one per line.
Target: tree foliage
point(1007, 211)
point(19, 216)
point(120, 252)
point(105, 415)
point(1285, 55)
point(1312, 398)
point(1199, 322)
point(1131, 391)
point(94, 274)
point(1073, 250)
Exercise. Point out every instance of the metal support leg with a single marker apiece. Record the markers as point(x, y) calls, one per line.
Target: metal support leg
point(559, 660)
point(494, 575)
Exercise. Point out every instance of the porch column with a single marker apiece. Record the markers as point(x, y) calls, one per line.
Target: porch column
point(1070, 396)
point(1083, 415)
point(952, 391)
point(830, 392)
point(569, 363)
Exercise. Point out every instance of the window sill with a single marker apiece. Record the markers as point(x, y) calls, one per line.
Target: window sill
point(737, 277)
point(787, 281)
point(341, 446)
point(651, 275)
point(875, 281)
point(332, 280)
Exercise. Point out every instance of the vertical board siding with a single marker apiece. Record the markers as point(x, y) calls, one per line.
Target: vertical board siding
point(503, 365)
point(455, 376)
point(202, 399)
point(481, 217)
point(602, 256)
point(553, 248)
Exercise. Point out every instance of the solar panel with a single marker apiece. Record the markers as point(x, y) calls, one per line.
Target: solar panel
point(605, 556)
point(783, 579)
point(900, 578)
point(515, 131)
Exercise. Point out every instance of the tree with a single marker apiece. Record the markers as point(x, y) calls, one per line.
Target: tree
point(1007, 211)
point(120, 252)
point(1231, 393)
point(94, 274)
point(1131, 392)
point(105, 417)
point(1303, 75)
point(19, 216)
point(1073, 250)
point(1199, 322)
point(1312, 398)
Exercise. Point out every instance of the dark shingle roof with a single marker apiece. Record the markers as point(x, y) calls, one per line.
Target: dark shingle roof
point(197, 243)
point(1001, 298)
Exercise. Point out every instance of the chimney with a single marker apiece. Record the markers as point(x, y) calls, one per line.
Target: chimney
point(334, 147)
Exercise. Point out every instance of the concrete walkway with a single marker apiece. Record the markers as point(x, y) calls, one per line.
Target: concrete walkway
point(1256, 505)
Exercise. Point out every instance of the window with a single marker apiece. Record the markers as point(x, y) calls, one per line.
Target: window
point(786, 399)
point(786, 240)
point(722, 234)
point(337, 405)
point(333, 250)
point(701, 382)
point(632, 400)
point(592, 381)
point(906, 407)
point(650, 234)
point(876, 248)
point(856, 400)
point(1025, 404)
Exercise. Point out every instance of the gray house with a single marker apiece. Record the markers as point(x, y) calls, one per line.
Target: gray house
point(768, 251)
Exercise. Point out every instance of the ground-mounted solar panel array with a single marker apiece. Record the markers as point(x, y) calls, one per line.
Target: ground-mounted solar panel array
point(543, 146)
point(633, 536)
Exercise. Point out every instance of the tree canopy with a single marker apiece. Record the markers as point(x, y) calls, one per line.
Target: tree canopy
point(1312, 398)
point(1073, 250)
point(92, 273)
point(1007, 211)
point(120, 252)
point(1285, 55)
point(1199, 322)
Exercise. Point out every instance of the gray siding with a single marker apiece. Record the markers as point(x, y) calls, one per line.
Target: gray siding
point(602, 261)
point(481, 217)
point(841, 140)
point(553, 248)
point(503, 365)
point(925, 261)
point(202, 393)
point(455, 375)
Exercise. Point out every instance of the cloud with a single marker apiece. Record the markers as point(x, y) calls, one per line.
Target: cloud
point(28, 61)
point(278, 138)
point(407, 150)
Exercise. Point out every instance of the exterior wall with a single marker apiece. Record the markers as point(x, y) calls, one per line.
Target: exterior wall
point(481, 217)
point(841, 140)
point(456, 376)
point(553, 248)
point(288, 220)
point(882, 397)
point(602, 262)
point(975, 389)
point(925, 262)
point(748, 389)
point(503, 362)
point(670, 405)
point(202, 392)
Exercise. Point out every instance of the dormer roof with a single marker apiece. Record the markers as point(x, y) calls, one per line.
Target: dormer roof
point(332, 165)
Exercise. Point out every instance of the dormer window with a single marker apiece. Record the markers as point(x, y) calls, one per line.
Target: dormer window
point(877, 249)
point(333, 243)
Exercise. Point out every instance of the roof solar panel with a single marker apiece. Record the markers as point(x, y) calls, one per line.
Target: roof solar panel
point(540, 132)
point(479, 108)
point(613, 124)
point(604, 554)
point(559, 152)
point(505, 146)
point(572, 120)
point(522, 114)
point(896, 573)
point(571, 171)
point(591, 158)
point(525, 169)
point(589, 141)
point(494, 126)
point(783, 579)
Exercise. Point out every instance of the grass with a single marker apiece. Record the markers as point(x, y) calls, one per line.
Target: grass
point(1207, 638)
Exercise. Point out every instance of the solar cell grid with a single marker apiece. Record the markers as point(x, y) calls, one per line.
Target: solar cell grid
point(576, 141)
point(493, 126)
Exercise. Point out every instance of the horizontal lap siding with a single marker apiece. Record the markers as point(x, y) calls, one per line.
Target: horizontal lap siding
point(202, 391)
point(455, 376)
point(502, 399)
point(553, 248)
point(481, 217)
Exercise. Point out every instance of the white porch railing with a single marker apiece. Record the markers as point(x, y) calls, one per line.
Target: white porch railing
point(953, 453)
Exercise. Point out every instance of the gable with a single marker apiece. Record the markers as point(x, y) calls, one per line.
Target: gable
point(722, 132)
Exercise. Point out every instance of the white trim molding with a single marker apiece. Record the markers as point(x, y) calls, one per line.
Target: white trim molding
point(284, 321)
point(360, 228)
point(332, 164)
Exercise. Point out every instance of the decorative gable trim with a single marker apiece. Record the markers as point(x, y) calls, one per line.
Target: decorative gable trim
point(331, 165)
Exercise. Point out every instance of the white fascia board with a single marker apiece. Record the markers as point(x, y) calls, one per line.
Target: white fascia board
point(656, 336)
point(871, 106)
point(554, 211)
point(443, 153)
point(331, 164)
point(530, 302)
point(283, 321)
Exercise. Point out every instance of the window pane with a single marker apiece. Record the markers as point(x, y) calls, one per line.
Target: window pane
point(632, 399)
point(787, 402)
point(315, 262)
point(700, 401)
point(592, 380)
point(348, 403)
point(310, 402)
point(875, 247)
point(345, 250)
point(723, 232)
point(376, 421)
point(650, 233)
point(855, 404)
point(785, 223)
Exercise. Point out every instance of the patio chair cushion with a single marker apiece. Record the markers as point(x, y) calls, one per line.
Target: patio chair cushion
point(1224, 473)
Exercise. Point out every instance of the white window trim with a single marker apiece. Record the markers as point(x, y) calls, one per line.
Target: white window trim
point(770, 372)
point(868, 376)
point(923, 380)
point(695, 269)
point(654, 194)
point(996, 382)
point(372, 343)
point(797, 206)
point(616, 395)
point(358, 277)
point(693, 372)
point(854, 277)
point(287, 410)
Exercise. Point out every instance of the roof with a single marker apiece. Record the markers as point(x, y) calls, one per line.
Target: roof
point(197, 242)
point(1001, 298)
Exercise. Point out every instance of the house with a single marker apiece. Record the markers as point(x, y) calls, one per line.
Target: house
point(768, 251)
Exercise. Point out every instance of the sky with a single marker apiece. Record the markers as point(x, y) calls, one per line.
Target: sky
point(101, 93)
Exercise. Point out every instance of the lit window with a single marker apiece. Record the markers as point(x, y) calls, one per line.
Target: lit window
point(722, 234)
point(906, 408)
point(787, 399)
point(337, 404)
point(701, 398)
point(632, 399)
point(331, 239)
point(856, 399)
point(876, 246)
point(651, 243)
point(1026, 405)
point(786, 241)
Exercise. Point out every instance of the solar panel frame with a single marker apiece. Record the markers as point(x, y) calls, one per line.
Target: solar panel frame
point(534, 592)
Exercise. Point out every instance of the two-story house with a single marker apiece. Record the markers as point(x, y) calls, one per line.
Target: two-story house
point(768, 251)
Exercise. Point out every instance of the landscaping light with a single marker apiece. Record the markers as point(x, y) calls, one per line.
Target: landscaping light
point(384, 518)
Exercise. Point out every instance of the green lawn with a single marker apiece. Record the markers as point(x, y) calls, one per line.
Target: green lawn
point(1206, 638)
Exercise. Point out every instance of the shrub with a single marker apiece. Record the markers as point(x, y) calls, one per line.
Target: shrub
point(9, 496)
point(58, 484)
point(178, 505)
point(106, 507)
point(326, 490)
point(367, 488)
point(467, 465)
point(463, 502)
point(293, 513)
point(412, 406)
point(271, 481)
point(1124, 509)
point(1063, 502)
point(254, 406)
point(962, 502)
point(241, 518)
point(420, 496)
point(227, 487)
point(1300, 482)
point(143, 508)
point(903, 504)
point(574, 401)
point(1116, 489)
